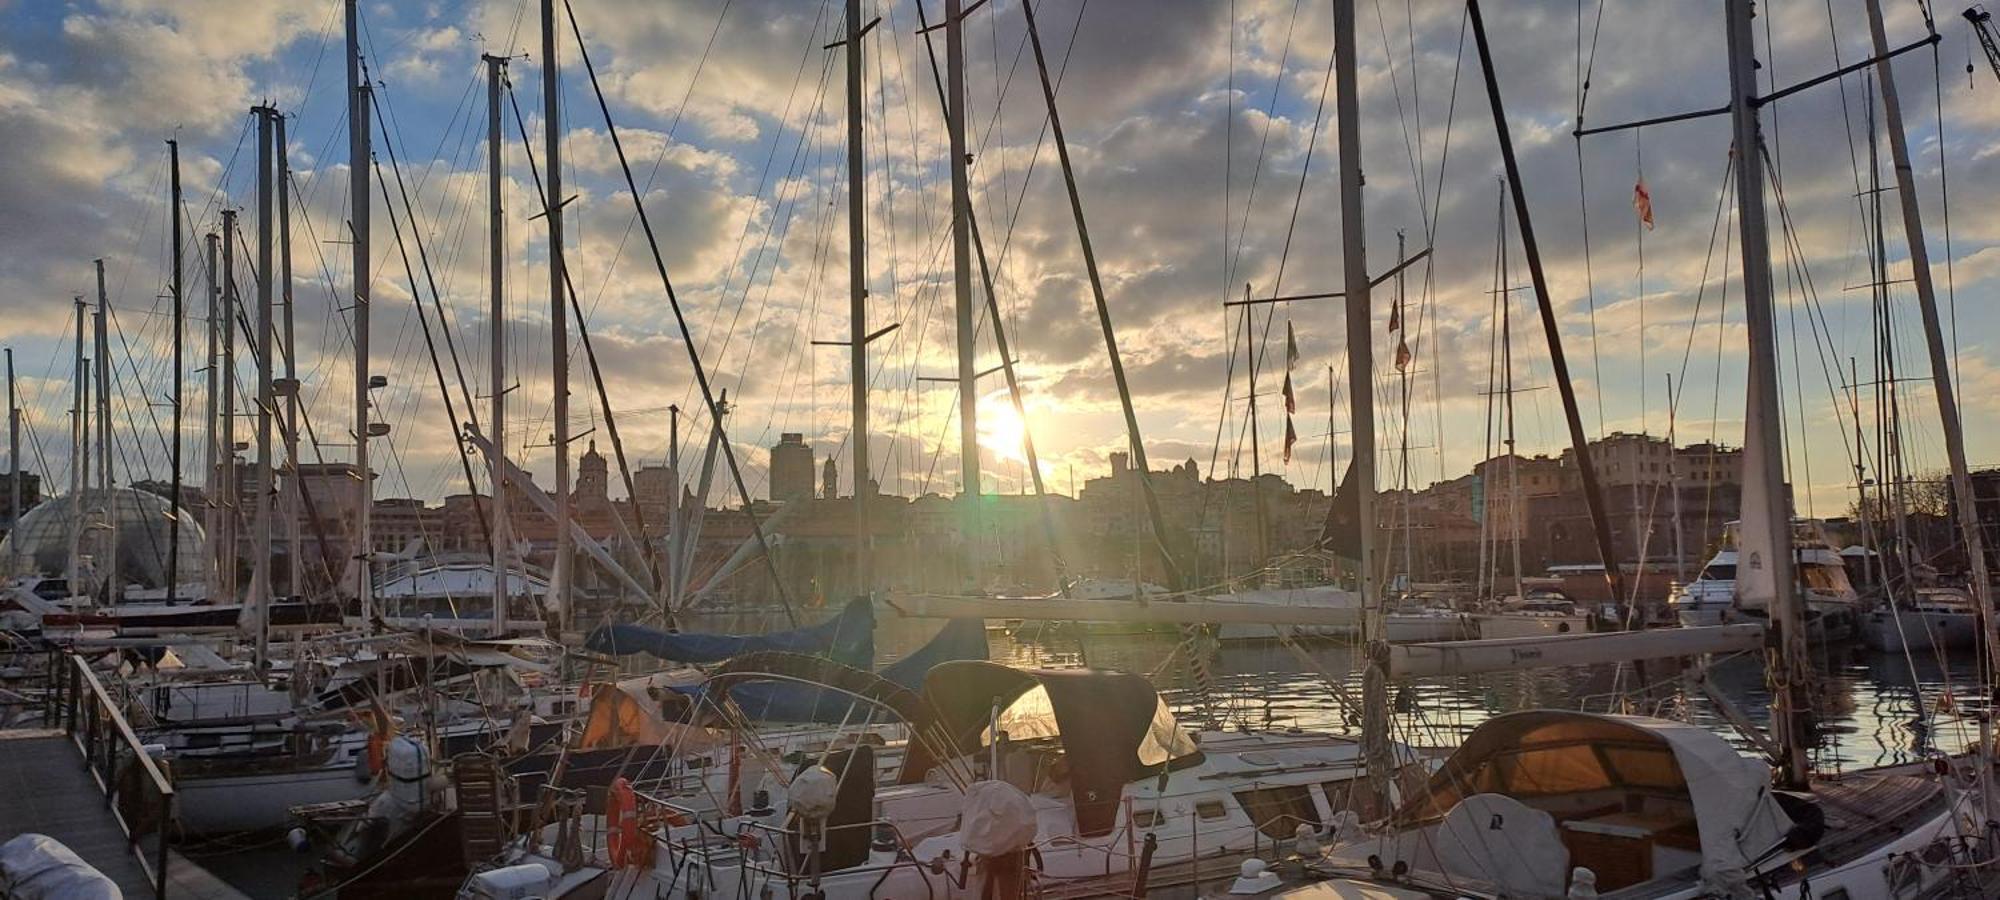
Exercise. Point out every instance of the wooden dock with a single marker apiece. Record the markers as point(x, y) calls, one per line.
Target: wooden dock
point(49, 791)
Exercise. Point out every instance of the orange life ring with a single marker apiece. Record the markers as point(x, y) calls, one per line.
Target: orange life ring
point(621, 807)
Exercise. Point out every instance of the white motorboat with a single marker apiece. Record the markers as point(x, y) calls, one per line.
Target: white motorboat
point(1832, 606)
point(1937, 618)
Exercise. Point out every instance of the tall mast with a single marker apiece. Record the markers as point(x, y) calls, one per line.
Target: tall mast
point(558, 313)
point(359, 154)
point(289, 507)
point(673, 588)
point(211, 521)
point(13, 449)
point(1885, 349)
point(260, 565)
point(180, 338)
point(1403, 455)
point(1256, 444)
point(1674, 478)
point(1593, 494)
point(1360, 374)
point(1766, 514)
point(961, 253)
point(79, 459)
point(1153, 513)
point(496, 325)
point(108, 500)
point(1947, 396)
point(1507, 406)
point(857, 290)
point(231, 492)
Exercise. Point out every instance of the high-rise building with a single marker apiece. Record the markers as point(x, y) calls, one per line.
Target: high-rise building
point(791, 468)
point(829, 480)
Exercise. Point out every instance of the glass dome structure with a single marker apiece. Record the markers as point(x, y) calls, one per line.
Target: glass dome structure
point(40, 542)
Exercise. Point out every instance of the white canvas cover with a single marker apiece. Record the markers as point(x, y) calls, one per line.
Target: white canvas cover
point(1549, 752)
point(36, 866)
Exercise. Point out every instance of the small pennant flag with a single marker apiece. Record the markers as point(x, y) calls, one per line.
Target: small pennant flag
point(1642, 203)
point(1396, 316)
point(1291, 348)
point(1402, 354)
point(1291, 437)
point(1291, 400)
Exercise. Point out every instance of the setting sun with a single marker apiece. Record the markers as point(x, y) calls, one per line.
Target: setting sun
point(1001, 429)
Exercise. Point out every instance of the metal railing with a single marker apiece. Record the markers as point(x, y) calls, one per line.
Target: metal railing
point(136, 791)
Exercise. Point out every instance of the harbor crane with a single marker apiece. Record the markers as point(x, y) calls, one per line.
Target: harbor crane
point(1982, 25)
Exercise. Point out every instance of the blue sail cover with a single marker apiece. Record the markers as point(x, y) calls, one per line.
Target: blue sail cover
point(781, 701)
point(848, 638)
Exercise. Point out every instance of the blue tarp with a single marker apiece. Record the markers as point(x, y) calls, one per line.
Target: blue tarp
point(775, 701)
point(848, 638)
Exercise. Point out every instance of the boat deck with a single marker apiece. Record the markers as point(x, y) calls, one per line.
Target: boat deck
point(49, 792)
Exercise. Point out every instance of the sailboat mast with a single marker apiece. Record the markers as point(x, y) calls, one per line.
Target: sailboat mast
point(13, 448)
point(559, 584)
point(496, 326)
point(857, 291)
point(230, 492)
point(113, 584)
point(359, 154)
point(674, 513)
point(211, 457)
point(1885, 349)
point(260, 565)
point(1153, 512)
point(1766, 512)
point(1674, 479)
point(1947, 396)
point(79, 459)
point(1360, 376)
point(289, 509)
point(1593, 494)
point(961, 254)
point(1403, 454)
point(1507, 407)
point(180, 339)
point(1256, 452)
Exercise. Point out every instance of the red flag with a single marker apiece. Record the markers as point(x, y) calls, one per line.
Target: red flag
point(1291, 437)
point(1642, 203)
point(1402, 354)
point(1396, 315)
point(1291, 400)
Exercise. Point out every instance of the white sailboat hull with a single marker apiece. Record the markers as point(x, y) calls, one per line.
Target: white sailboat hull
point(1505, 625)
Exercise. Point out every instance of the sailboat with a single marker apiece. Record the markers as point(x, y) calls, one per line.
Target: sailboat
point(1548, 803)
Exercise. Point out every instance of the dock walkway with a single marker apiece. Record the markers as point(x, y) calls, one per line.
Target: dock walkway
point(48, 790)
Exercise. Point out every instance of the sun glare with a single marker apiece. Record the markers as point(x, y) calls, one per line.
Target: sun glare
point(1001, 430)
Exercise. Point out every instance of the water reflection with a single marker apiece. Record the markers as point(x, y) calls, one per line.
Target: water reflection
point(1871, 706)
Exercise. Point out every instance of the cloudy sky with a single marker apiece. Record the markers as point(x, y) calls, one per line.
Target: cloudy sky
point(1204, 162)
